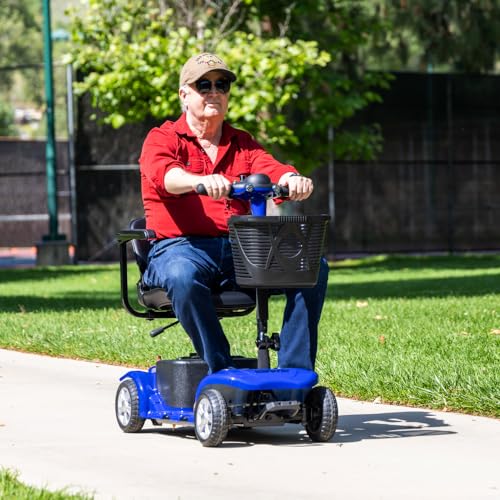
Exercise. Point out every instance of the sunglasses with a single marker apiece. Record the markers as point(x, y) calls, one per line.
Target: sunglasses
point(204, 86)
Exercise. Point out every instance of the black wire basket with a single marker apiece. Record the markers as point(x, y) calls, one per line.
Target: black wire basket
point(277, 251)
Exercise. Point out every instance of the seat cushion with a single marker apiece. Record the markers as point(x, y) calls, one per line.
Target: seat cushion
point(153, 298)
point(228, 303)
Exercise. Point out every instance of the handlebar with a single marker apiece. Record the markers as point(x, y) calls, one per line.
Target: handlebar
point(255, 186)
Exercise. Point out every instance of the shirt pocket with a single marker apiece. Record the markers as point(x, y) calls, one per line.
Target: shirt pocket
point(237, 173)
point(236, 165)
point(195, 165)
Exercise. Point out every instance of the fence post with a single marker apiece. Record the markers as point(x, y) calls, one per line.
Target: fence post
point(53, 249)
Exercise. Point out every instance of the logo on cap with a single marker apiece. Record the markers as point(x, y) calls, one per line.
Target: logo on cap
point(209, 60)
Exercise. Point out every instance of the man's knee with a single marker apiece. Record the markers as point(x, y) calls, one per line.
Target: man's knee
point(180, 273)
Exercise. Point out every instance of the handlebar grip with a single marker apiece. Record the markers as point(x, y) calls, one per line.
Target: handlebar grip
point(201, 189)
point(283, 192)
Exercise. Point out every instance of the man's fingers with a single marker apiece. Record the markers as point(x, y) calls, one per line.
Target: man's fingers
point(217, 186)
point(299, 187)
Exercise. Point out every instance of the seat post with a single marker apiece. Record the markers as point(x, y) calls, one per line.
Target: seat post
point(263, 341)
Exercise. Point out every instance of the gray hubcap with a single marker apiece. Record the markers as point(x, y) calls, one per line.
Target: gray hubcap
point(124, 406)
point(204, 418)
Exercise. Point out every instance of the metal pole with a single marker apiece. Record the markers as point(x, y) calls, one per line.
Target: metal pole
point(71, 152)
point(331, 186)
point(50, 150)
point(429, 167)
point(451, 169)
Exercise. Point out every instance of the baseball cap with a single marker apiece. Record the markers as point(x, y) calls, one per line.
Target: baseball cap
point(197, 65)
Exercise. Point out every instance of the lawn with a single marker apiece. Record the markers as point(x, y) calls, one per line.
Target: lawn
point(422, 331)
point(13, 489)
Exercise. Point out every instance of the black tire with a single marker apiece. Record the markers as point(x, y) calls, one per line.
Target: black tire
point(127, 407)
point(322, 414)
point(211, 421)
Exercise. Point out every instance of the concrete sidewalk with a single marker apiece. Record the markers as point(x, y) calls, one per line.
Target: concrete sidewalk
point(58, 429)
point(13, 257)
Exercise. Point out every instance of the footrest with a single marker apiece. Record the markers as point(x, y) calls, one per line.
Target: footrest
point(292, 408)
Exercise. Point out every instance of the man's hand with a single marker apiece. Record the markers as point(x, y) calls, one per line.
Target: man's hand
point(299, 187)
point(217, 185)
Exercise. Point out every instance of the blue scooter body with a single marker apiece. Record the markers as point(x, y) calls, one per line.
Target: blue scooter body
point(233, 383)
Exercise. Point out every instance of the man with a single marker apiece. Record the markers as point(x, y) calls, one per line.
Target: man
point(192, 254)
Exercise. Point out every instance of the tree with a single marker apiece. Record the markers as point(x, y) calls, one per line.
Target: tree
point(18, 45)
point(459, 35)
point(6, 120)
point(21, 59)
point(337, 92)
point(20, 38)
point(290, 87)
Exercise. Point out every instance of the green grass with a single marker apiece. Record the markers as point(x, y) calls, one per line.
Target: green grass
point(13, 489)
point(423, 331)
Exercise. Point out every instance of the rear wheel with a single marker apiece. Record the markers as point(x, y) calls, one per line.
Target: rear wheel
point(127, 407)
point(211, 418)
point(322, 414)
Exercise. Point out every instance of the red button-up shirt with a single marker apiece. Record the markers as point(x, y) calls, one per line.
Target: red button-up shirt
point(174, 145)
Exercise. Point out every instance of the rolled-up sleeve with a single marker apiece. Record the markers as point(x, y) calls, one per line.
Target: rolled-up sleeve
point(160, 153)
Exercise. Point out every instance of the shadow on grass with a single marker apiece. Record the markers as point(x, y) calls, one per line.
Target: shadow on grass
point(402, 262)
point(457, 286)
point(39, 274)
point(474, 286)
point(70, 302)
point(464, 286)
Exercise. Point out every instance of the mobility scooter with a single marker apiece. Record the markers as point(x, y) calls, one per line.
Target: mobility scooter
point(270, 252)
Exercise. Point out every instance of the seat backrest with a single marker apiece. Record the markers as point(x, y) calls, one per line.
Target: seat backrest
point(140, 247)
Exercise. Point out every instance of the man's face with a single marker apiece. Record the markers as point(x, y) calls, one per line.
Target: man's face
point(208, 102)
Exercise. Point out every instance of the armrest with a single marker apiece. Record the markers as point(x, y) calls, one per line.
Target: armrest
point(135, 234)
point(123, 237)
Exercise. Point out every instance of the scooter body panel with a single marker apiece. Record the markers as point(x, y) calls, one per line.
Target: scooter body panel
point(234, 384)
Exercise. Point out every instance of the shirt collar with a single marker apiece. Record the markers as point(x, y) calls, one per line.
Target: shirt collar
point(181, 127)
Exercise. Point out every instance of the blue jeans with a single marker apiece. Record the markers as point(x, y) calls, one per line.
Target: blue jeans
point(189, 268)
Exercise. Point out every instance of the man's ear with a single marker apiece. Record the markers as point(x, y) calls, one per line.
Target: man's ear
point(182, 96)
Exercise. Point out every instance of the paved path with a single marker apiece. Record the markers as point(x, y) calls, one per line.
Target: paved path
point(17, 257)
point(57, 428)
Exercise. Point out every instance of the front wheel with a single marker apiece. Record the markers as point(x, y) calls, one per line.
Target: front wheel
point(211, 418)
point(322, 414)
point(127, 407)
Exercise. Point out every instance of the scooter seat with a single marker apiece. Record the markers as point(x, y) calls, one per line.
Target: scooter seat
point(226, 301)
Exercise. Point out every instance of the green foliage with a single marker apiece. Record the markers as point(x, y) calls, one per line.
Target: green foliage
point(21, 64)
point(290, 86)
point(333, 95)
point(458, 35)
point(20, 39)
point(6, 120)
point(17, 37)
